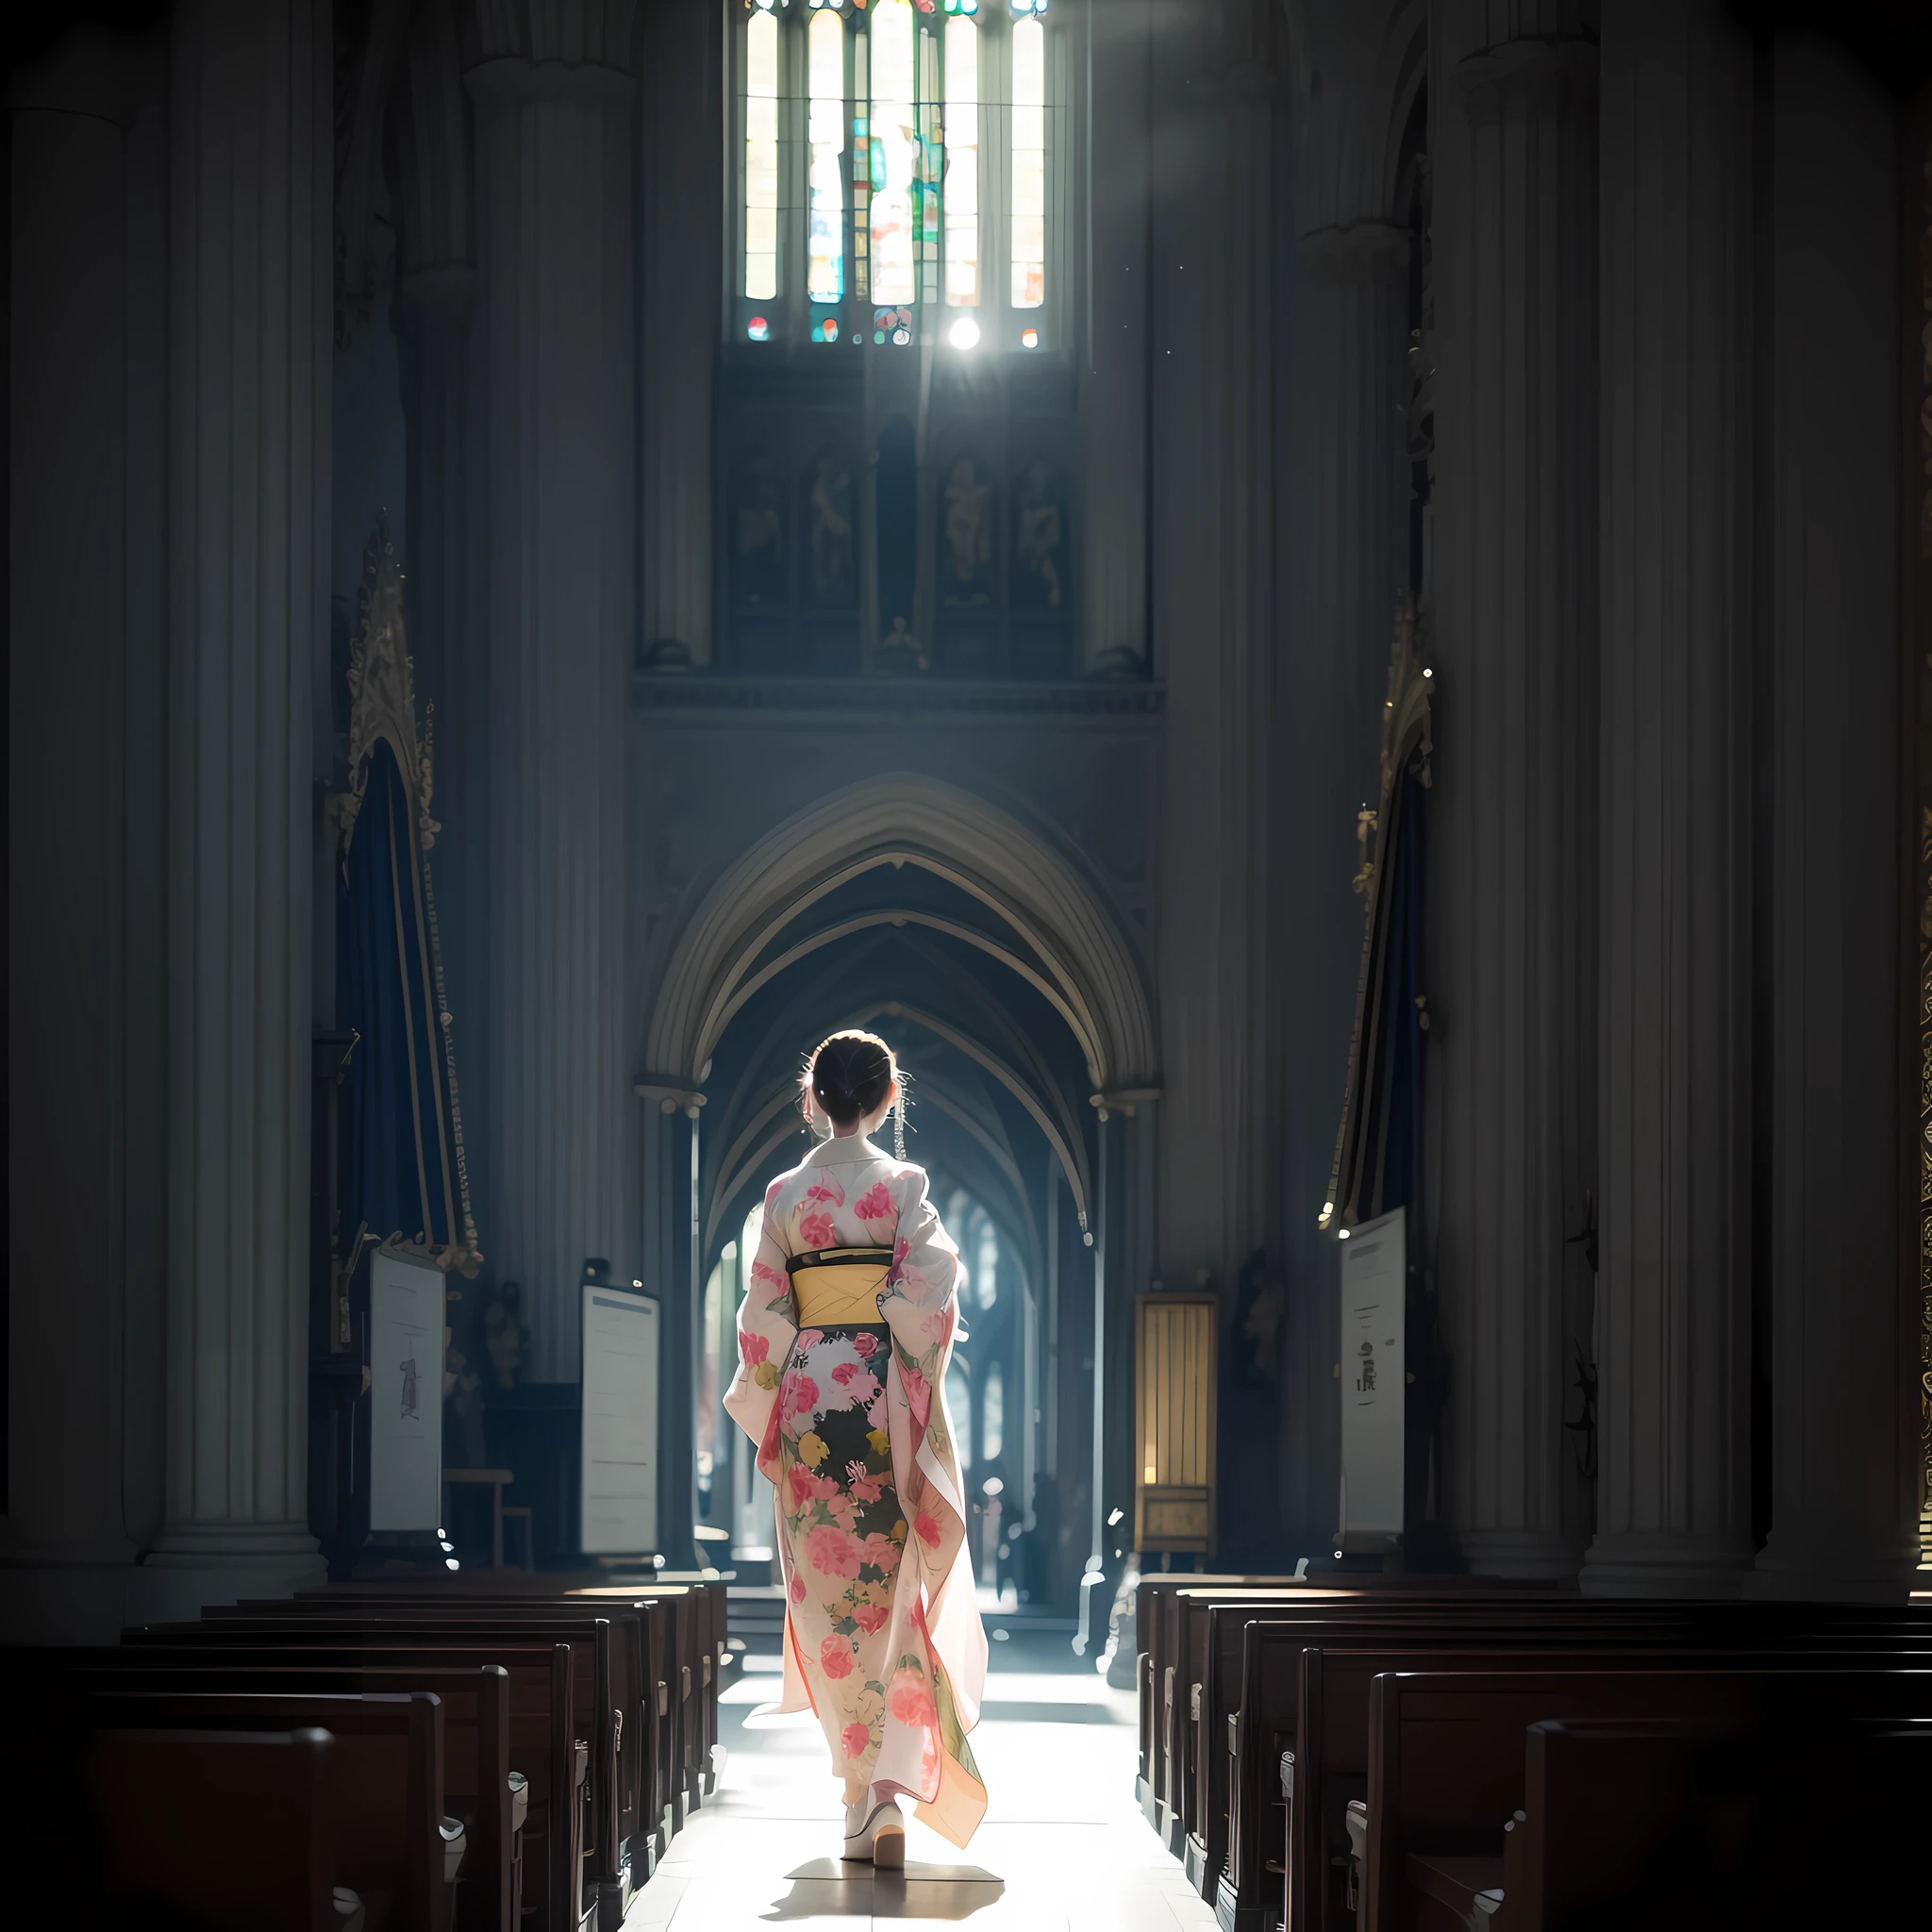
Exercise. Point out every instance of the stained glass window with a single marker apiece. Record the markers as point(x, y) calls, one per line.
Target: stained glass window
point(826, 132)
point(896, 162)
point(961, 140)
point(761, 153)
point(894, 151)
point(1028, 243)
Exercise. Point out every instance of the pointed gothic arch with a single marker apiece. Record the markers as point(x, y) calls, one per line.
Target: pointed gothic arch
point(1044, 920)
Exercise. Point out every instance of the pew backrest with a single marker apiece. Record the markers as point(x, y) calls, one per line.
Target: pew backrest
point(1447, 1764)
point(543, 1730)
point(389, 1799)
point(475, 1739)
point(232, 1831)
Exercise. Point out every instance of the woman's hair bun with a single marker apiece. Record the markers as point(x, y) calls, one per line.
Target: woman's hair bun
point(850, 1074)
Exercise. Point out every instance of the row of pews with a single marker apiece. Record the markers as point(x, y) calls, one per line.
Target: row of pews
point(500, 1753)
point(1435, 1752)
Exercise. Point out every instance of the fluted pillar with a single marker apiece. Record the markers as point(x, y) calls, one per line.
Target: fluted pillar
point(1843, 1417)
point(1351, 558)
point(250, 335)
point(1513, 893)
point(1359, 548)
point(680, 224)
point(556, 329)
point(65, 1547)
point(1113, 349)
point(1674, 1315)
point(1220, 514)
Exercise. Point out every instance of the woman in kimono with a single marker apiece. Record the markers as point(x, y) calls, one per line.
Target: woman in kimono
point(843, 1338)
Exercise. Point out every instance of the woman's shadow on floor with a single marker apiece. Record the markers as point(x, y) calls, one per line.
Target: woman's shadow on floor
point(824, 1887)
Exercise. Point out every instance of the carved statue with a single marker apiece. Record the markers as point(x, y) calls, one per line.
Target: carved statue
point(828, 504)
point(1037, 534)
point(968, 533)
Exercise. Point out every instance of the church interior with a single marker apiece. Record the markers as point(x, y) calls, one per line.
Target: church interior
point(1320, 611)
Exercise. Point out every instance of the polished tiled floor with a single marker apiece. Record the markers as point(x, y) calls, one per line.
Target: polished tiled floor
point(1063, 1847)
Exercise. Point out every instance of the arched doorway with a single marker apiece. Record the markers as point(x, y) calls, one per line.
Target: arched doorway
point(996, 970)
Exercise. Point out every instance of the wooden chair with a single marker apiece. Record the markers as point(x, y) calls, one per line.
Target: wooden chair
point(498, 1479)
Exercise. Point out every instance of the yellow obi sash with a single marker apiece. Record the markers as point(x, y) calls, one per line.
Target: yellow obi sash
point(839, 1287)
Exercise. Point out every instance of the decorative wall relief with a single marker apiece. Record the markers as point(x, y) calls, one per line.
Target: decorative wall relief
point(965, 553)
point(757, 534)
point(1040, 536)
point(831, 575)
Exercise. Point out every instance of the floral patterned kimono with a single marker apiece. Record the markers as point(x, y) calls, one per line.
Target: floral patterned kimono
point(882, 1631)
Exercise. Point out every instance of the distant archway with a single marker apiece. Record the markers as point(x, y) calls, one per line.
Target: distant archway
point(1045, 920)
point(1016, 999)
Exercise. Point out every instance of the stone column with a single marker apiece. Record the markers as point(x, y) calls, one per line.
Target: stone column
point(681, 221)
point(1674, 1293)
point(1358, 550)
point(1352, 557)
point(65, 1548)
point(1513, 890)
point(250, 335)
point(1222, 223)
point(1220, 621)
point(555, 168)
point(1843, 1431)
point(1113, 347)
point(437, 281)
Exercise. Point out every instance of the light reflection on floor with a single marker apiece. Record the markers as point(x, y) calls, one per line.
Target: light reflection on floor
point(1063, 1847)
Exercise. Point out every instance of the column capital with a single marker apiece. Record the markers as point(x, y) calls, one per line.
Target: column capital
point(1541, 72)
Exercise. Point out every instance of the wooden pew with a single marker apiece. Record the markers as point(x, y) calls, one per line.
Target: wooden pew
point(1305, 1689)
point(1447, 1760)
point(225, 1830)
point(1182, 1628)
point(543, 1742)
point(666, 1640)
point(1151, 1657)
point(605, 1684)
point(1179, 1633)
point(1207, 1676)
point(1674, 1822)
point(388, 1802)
point(475, 1706)
point(674, 1706)
point(1154, 1623)
point(1331, 1751)
point(1219, 1625)
point(695, 1647)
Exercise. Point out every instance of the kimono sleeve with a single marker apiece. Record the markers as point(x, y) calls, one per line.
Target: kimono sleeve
point(766, 1328)
point(921, 1306)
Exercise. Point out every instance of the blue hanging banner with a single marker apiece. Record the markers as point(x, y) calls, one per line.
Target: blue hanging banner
point(1378, 1151)
point(402, 1167)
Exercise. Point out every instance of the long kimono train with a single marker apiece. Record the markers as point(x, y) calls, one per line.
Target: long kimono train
point(882, 1631)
